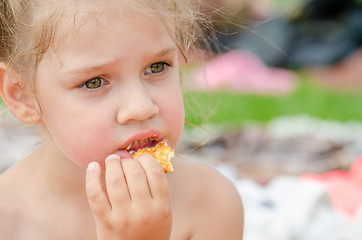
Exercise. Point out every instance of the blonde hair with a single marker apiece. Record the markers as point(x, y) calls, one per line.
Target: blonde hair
point(28, 27)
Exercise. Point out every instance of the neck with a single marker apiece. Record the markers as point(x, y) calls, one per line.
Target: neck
point(54, 189)
point(61, 178)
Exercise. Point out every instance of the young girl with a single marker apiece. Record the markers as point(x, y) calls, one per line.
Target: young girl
point(95, 77)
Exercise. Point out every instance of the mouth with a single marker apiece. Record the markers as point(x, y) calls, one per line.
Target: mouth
point(144, 143)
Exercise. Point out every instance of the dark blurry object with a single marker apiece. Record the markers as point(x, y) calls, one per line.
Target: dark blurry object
point(326, 32)
point(322, 32)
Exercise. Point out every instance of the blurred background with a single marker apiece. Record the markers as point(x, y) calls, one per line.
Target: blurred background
point(284, 76)
point(275, 105)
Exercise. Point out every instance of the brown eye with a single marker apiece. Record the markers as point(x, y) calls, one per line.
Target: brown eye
point(156, 67)
point(93, 83)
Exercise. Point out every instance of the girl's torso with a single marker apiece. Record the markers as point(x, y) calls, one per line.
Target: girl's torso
point(28, 213)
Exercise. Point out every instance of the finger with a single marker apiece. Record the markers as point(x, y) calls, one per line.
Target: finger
point(117, 189)
point(136, 180)
point(156, 177)
point(97, 199)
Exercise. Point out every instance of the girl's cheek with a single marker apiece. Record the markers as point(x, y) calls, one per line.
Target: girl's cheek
point(176, 121)
point(85, 146)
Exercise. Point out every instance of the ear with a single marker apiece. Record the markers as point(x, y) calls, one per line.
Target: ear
point(20, 103)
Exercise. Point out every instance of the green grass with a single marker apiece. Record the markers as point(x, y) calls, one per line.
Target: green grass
point(223, 107)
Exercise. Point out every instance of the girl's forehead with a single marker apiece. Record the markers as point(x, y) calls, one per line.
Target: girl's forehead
point(129, 7)
point(90, 34)
point(71, 21)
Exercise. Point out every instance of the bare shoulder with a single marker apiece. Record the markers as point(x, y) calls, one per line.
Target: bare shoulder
point(8, 197)
point(9, 211)
point(17, 217)
point(212, 199)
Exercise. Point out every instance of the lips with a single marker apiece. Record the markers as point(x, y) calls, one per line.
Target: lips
point(144, 143)
point(148, 138)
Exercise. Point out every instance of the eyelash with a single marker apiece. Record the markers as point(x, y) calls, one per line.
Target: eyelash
point(164, 65)
point(102, 83)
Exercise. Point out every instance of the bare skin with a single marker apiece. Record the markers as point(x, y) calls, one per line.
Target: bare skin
point(201, 209)
point(104, 86)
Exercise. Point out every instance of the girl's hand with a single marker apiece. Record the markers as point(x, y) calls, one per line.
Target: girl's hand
point(137, 203)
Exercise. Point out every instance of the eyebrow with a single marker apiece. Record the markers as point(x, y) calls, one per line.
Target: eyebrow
point(98, 66)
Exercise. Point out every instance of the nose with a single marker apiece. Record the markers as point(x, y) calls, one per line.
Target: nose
point(136, 104)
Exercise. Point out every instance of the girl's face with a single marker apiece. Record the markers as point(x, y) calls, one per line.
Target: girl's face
point(112, 80)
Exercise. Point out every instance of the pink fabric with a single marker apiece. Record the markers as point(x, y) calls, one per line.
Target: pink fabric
point(344, 187)
point(242, 71)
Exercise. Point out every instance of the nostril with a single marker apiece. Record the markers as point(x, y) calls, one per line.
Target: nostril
point(138, 105)
point(137, 113)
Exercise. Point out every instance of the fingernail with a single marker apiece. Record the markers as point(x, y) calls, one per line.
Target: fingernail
point(112, 156)
point(92, 166)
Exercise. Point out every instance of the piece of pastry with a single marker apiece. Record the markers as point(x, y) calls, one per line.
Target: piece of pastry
point(161, 152)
